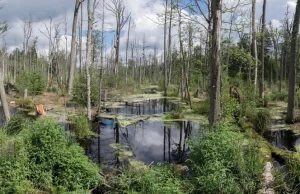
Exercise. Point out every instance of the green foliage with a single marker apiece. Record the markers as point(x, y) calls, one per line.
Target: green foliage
point(80, 125)
point(53, 89)
point(15, 125)
point(14, 168)
point(26, 103)
point(175, 114)
point(33, 81)
point(40, 157)
point(160, 179)
point(79, 90)
point(201, 108)
point(278, 96)
point(262, 120)
point(230, 109)
point(239, 62)
point(222, 162)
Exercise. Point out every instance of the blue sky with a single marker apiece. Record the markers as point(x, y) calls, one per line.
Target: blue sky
point(14, 11)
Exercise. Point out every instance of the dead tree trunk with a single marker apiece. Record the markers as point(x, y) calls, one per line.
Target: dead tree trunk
point(89, 48)
point(165, 50)
point(127, 46)
point(293, 66)
point(3, 98)
point(73, 47)
point(215, 96)
point(254, 46)
point(262, 54)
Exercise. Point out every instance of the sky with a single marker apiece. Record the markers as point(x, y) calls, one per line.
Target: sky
point(143, 12)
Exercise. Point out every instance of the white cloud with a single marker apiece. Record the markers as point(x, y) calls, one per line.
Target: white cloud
point(143, 12)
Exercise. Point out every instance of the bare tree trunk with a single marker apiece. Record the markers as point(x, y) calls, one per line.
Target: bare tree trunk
point(215, 96)
point(127, 46)
point(281, 70)
point(89, 55)
point(3, 98)
point(100, 91)
point(262, 56)
point(165, 50)
point(80, 39)
point(254, 46)
point(170, 43)
point(293, 66)
point(73, 48)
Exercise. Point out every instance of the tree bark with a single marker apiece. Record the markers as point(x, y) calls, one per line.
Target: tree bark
point(254, 46)
point(262, 56)
point(127, 46)
point(165, 51)
point(215, 96)
point(89, 56)
point(293, 66)
point(73, 48)
point(3, 98)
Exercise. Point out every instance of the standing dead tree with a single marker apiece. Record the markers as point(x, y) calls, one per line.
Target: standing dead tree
point(73, 47)
point(215, 92)
point(27, 31)
point(89, 49)
point(117, 8)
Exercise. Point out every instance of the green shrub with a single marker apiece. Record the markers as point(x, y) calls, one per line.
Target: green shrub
point(221, 163)
point(79, 91)
point(262, 120)
point(33, 81)
point(248, 110)
point(26, 103)
point(14, 168)
point(231, 109)
point(54, 161)
point(278, 96)
point(80, 126)
point(175, 114)
point(41, 158)
point(15, 125)
point(160, 179)
point(53, 89)
point(201, 108)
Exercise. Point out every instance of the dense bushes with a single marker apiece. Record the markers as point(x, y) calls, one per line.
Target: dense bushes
point(80, 126)
point(201, 108)
point(278, 96)
point(262, 120)
point(41, 158)
point(33, 81)
point(159, 179)
point(222, 162)
point(79, 90)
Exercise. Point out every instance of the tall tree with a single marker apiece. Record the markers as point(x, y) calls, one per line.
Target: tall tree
point(215, 96)
point(89, 48)
point(127, 46)
point(254, 45)
point(165, 50)
point(262, 52)
point(27, 31)
point(3, 29)
point(117, 8)
point(293, 66)
point(73, 47)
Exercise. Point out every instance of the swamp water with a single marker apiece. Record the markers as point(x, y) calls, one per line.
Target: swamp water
point(150, 141)
point(281, 136)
